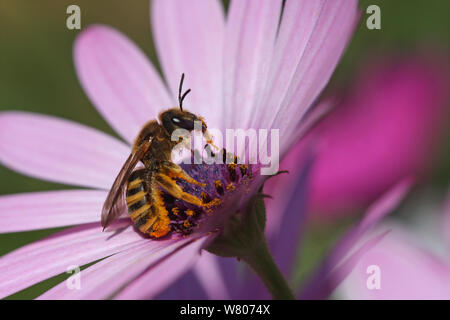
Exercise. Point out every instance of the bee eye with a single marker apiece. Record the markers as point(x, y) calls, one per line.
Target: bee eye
point(182, 123)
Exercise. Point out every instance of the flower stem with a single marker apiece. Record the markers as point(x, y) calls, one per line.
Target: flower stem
point(261, 262)
point(243, 238)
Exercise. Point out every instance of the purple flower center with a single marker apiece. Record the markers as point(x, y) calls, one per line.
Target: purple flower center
point(221, 181)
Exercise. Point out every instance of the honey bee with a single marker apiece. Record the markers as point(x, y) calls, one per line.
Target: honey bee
point(144, 187)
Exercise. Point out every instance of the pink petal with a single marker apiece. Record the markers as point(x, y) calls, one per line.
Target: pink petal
point(189, 39)
point(446, 221)
point(341, 272)
point(283, 186)
point(119, 79)
point(321, 282)
point(59, 150)
point(53, 255)
point(406, 272)
point(250, 36)
point(375, 213)
point(42, 210)
point(285, 241)
point(208, 273)
point(163, 273)
point(297, 26)
point(106, 277)
point(311, 40)
point(187, 287)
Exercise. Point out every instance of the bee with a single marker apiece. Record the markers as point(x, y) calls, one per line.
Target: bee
point(144, 187)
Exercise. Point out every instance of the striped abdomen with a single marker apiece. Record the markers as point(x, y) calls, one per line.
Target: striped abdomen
point(145, 205)
point(138, 198)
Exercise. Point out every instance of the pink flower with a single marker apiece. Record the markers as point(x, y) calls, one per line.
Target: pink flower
point(243, 73)
point(386, 128)
point(406, 266)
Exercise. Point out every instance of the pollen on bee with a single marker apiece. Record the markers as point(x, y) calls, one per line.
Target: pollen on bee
point(190, 212)
point(160, 228)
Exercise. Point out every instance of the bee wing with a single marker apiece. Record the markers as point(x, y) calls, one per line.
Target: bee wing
point(113, 206)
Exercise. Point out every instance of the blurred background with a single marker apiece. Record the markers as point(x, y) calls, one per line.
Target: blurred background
point(37, 75)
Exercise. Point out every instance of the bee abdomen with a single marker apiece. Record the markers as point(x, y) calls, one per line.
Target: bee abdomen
point(137, 197)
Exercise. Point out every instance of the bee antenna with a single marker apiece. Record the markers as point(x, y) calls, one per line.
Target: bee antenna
point(181, 97)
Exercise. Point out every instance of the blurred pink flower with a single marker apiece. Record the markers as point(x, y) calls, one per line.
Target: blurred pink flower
point(406, 269)
point(247, 72)
point(385, 129)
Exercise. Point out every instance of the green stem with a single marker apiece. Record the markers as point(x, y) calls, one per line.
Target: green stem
point(243, 237)
point(263, 265)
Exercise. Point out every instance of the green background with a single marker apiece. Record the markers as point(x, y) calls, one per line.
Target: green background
point(37, 74)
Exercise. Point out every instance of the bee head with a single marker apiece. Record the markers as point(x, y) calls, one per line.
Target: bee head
point(173, 119)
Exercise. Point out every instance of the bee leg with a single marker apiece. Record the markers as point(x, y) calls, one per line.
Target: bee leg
point(171, 187)
point(161, 225)
point(174, 171)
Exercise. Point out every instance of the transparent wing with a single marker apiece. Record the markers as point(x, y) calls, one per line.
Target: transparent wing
point(114, 203)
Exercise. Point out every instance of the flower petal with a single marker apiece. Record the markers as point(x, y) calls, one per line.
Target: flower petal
point(311, 40)
point(250, 37)
point(42, 210)
point(164, 272)
point(187, 287)
point(406, 272)
point(189, 39)
point(236, 276)
point(319, 284)
point(204, 281)
point(53, 255)
point(297, 26)
point(283, 186)
point(383, 206)
point(208, 272)
point(106, 277)
point(289, 206)
point(59, 150)
point(281, 189)
point(446, 221)
point(341, 272)
point(119, 79)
